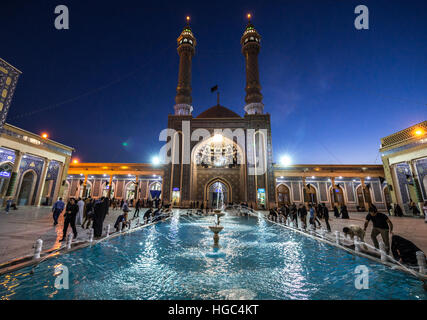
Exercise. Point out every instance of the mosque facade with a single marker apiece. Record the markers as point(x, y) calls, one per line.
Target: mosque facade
point(221, 155)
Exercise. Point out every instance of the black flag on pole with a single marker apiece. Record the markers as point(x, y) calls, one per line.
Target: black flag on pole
point(214, 88)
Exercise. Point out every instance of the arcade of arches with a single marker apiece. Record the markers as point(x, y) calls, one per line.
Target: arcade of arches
point(353, 186)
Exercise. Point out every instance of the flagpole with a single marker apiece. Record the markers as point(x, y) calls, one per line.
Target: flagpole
point(217, 98)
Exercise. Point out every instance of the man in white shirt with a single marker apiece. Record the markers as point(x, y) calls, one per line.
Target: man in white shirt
point(81, 205)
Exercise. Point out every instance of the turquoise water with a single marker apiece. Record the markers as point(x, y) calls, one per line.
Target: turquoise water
point(175, 260)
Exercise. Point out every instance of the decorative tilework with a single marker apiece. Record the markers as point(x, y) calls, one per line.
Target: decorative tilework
point(52, 174)
point(7, 155)
point(8, 80)
point(377, 191)
point(402, 169)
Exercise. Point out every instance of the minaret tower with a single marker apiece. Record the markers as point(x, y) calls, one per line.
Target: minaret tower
point(186, 48)
point(250, 42)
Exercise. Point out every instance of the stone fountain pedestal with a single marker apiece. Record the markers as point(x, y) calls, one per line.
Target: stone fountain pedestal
point(217, 228)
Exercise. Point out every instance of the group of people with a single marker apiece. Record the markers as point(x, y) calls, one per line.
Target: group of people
point(140, 203)
point(92, 212)
point(402, 249)
point(81, 212)
point(294, 213)
point(150, 215)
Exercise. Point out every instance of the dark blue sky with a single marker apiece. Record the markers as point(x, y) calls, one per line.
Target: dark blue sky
point(332, 91)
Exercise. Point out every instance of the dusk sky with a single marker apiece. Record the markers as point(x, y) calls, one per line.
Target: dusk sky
point(332, 91)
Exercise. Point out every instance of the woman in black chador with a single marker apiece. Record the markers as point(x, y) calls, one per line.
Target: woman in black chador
point(336, 213)
point(404, 250)
point(100, 211)
point(344, 212)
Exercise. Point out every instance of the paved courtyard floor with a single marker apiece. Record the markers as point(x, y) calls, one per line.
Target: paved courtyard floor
point(20, 229)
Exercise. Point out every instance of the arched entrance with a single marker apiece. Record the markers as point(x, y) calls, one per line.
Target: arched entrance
point(283, 195)
point(310, 194)
point(5, 173)
point(130, 191)
point(337, 196)
point(363, 197)
point(66, 191)
point(27, 188)
point(217, 194)
point(88, 191)
point(156, 191)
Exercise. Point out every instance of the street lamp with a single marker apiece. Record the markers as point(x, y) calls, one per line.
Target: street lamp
point(285, 160)
point(155, 160)
point(44, 135)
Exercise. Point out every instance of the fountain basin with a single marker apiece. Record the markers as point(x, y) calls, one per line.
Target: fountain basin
point(216, 229)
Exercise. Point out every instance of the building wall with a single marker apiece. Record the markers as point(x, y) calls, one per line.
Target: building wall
point(404, 156)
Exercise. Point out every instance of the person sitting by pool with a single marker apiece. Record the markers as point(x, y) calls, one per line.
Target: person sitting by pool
point(353, 230)
point(121, 218)
point(147, 214)
point(404, 250)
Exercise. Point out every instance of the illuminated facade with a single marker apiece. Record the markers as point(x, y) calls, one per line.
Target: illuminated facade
point(219, 153)
point(32, 168)
point(113, 180)
point(404, 156)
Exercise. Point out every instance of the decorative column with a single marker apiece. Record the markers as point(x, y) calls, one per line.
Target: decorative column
point(84, 186)
point(42, 181)
point(13, 177)
point(332, 195)
point(363, 186)
point(304, 188)
point(58, 183)
point(186, 49)
point(110, 186)
point(250, 43)
point(136, 188)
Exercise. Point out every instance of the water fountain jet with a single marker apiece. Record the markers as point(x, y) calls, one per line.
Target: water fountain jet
point(218, 212)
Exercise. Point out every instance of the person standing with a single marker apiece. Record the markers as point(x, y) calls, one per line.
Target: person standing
point(302, 212)
point(57, 208)
point(294, 215)
point(81, 205)
point(325, 213)
point(414, 208)
point(344, 212)
point(8, 205)
point(398, 210)
point(88, 213)
point(98, 213)
point(381, 225)
point(70, 218)
point(336, 212)
point(137, 206)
